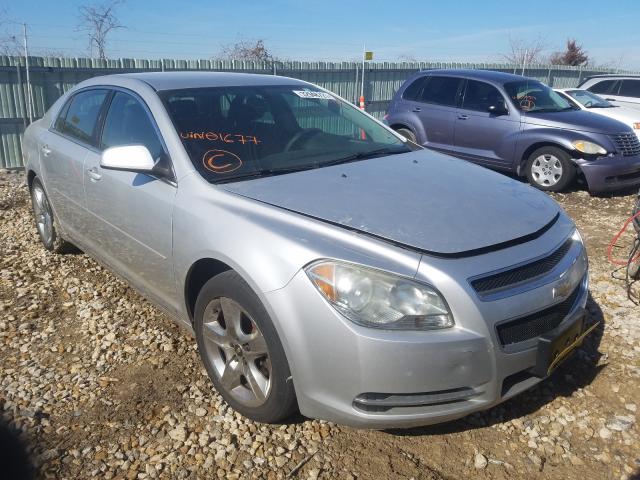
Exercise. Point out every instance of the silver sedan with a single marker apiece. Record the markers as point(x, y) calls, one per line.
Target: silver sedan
point(323, 262)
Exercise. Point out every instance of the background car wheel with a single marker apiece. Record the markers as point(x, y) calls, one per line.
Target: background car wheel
point(406, 133)
point(241, 351)
point(45, 221)
point(550, 169)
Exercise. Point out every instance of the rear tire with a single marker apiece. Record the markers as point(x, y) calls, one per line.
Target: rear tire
point(406, 133)
point(46, 221)
point(241, 350)
point(550, 169)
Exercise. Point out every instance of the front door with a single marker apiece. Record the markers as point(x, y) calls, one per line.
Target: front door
point(481, 135)
point(132, 212)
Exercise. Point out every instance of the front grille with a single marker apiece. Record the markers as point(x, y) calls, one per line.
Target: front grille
point(523, 273)
point(627, 143)
point(538, 323)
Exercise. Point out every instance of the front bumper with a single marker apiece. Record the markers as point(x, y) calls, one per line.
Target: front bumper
point(611, 172)
point(372, 378)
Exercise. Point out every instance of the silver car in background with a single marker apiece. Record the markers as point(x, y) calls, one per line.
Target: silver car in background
point(323, 263)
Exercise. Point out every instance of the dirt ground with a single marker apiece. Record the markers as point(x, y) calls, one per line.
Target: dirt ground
point(100, 384)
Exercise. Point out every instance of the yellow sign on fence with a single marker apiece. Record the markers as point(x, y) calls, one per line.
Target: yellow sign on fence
point(368, 55)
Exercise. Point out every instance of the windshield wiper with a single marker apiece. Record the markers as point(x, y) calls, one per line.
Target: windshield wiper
point(268, 172)
point(364, 155)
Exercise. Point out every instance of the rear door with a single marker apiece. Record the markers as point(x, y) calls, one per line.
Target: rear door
point(437, 110)
point(63, 150)
point(131, 213)
point(480, 135)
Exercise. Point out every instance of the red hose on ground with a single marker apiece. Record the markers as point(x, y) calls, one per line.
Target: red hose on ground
point(615, 239)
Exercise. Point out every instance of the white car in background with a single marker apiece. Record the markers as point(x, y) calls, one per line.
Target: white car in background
point(585, 100)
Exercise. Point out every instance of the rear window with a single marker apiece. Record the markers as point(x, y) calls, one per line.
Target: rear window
point(442, 91)
point(630, 88)
point(605, 86)
point(79, 118)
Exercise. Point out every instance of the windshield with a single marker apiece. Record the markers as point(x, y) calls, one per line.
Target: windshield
point(588, 99)
point(533, 96)
point(233, 133)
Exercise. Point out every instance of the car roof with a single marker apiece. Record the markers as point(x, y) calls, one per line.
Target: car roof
point(179, 80)
point(613, 75)
point(491, 75)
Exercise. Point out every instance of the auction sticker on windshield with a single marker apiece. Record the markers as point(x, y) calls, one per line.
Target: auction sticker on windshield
point(311, 94)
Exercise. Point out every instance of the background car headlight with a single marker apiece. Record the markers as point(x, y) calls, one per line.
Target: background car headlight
point(589, 148)
point(377, 299)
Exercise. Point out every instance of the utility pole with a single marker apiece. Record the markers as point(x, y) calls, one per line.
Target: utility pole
point(364, 49)
point(26, 64)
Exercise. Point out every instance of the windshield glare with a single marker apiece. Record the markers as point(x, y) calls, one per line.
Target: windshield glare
point(588, 99)
point(238, 132)
point(532, 96)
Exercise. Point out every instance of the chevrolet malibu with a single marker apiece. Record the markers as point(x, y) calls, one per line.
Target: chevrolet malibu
point(322, 262)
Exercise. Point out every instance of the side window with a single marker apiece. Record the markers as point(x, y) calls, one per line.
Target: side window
point(630, 88)
point(412, 92)
point(441, 91)
point(79, 118)
point(127, 123)
point(604, 87)
point(480, 96)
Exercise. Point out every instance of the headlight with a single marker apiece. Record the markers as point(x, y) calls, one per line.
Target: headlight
point(589, 148)
point(377, 299)
point(576, 237)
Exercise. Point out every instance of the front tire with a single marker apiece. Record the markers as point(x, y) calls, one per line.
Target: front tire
point(46, 222)
point(406, 133)
point(241, 351)
point(550, 169)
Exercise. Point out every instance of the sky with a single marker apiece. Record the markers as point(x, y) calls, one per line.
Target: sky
point(332, 30)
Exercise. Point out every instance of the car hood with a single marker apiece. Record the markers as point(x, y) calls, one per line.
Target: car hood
point(423, 199)
point(578, 120)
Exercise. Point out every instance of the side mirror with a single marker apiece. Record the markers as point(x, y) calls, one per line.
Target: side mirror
point(498, 109)
point(131, 158)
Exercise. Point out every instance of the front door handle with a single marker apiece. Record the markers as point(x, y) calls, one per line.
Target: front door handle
point(94, 175)
point(46, 151)
point(463, 117)
point(416, 109)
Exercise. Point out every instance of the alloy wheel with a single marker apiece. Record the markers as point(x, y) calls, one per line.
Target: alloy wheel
point(238, 351)
point(43, 214)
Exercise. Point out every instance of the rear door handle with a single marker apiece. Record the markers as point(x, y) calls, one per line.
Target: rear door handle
point(46, 151)
point(94, 175)
point(463, 117)
point(416, 109)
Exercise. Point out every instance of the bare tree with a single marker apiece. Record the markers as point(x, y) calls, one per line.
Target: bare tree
point(574, 55)
point(98, 21)
point(247, 50)
point(523, 52)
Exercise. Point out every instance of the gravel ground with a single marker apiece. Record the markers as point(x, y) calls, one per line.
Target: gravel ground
point(100, 384)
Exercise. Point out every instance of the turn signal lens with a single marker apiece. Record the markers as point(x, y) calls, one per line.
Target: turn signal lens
point(378, 299)
point(589, 148)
